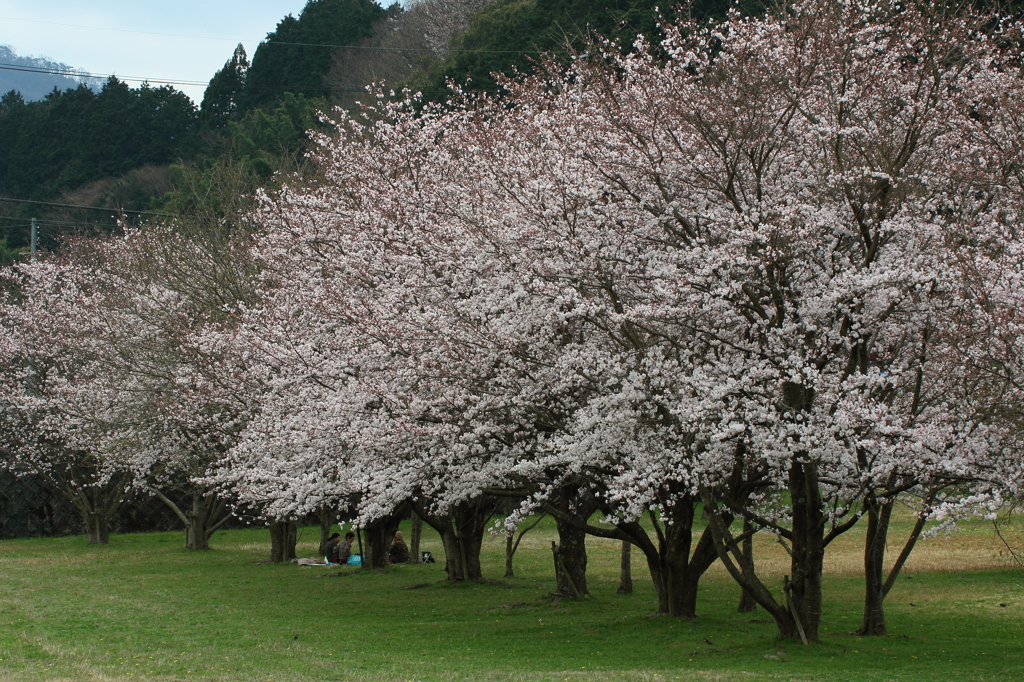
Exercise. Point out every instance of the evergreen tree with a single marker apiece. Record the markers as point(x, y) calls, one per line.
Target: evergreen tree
point(72, 138)
point(510, 35)
point(297, 56)
point(220, 101)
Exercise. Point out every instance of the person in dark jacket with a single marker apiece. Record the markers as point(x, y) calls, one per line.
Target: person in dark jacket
point(332, 549)
point(399, 552)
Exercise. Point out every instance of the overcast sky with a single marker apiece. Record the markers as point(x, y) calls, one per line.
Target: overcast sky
point(162, 40)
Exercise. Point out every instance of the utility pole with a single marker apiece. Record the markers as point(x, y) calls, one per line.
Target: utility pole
point(33, 238)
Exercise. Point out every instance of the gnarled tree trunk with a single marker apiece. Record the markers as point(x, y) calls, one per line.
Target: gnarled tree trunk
point(326, 518)
point(283, 538)
point(202, 518)
point(572, 507)
point(571, 560)
point(462, 533)
point(98, 505)
point(808, 548)
point(96, 501)
point(876, 583)
point(415, 535)
point(674, 572)
point(378, 537)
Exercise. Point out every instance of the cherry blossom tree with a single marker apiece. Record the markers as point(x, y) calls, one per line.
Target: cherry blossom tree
point(721, 274)
point(123, 316)
point(42, 356)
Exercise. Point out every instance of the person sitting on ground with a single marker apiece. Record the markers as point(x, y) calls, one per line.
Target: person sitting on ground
point(399, 552)
point(332, 548)
point(345, 548)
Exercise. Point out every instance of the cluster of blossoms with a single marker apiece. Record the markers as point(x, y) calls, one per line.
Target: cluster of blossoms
point(766, 270)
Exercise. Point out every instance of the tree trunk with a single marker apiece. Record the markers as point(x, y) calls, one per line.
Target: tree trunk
point(462, 534)
point(326, 518)
point(626, 569)
point(415, 534)
point(740, 566)
point(675, 574)
point(379, 535)
point(195, 528)
point(680, 572)
point(572, 507)
point(571, 561)
point(202, 519)
point(97, 503)
point(874, 567)
point(101, 504)
point(747, 603)
point(876, 583)
point(97, 528)
point(808, 551)
point(283, 538)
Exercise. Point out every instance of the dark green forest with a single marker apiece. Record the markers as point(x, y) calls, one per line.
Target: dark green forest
point(150, 150)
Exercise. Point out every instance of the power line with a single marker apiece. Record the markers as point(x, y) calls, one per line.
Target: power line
point(399, 49)
point(85, 74)
point(141, 79)
point(87, 208)
point(27, 222)
point(270, 42)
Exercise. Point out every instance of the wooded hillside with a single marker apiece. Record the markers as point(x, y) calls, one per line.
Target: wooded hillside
point(143, 149)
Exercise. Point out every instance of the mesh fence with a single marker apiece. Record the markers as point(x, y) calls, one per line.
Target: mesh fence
point(30, 507)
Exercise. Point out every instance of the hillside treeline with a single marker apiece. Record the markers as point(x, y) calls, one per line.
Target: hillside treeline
point(150, 149)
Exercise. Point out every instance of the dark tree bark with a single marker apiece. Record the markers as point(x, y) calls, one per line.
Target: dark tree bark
point(681, 570)
point(876, 583)
point(97, 500)
point(626, 569)
point(574, 508)
point(571, 562)
point(283, 538)
point(462, 533)
point(509, 553)
point(675, 573)
point(98, 504)
point(878, 514)
point(747, 603)
point(326, 517)
point(379, 536)
point(808, 548)
point(205, 514)
point(415, 535)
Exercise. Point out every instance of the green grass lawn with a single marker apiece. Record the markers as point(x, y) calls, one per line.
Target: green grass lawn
point(143, 608)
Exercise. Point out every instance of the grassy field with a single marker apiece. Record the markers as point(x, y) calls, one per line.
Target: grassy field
point(143, 608)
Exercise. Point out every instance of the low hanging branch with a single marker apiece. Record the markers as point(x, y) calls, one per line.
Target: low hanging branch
point(511, 547)
point(1013, 553)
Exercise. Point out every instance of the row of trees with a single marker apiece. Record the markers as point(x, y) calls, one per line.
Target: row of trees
point(765, 271)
